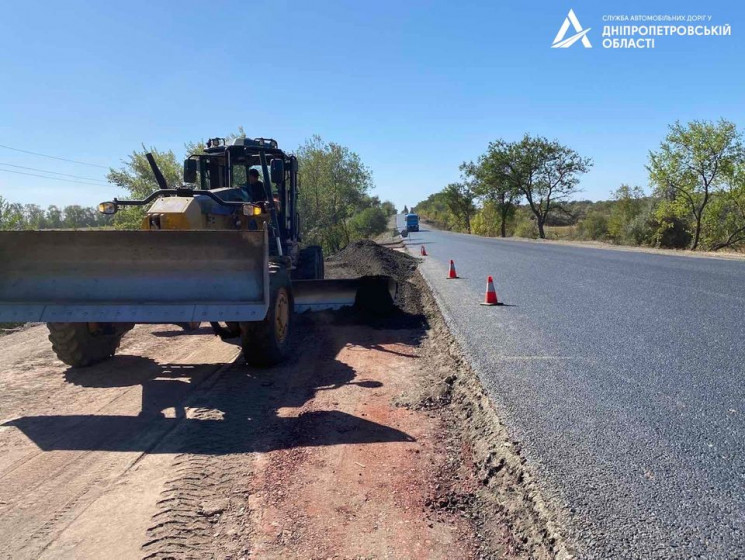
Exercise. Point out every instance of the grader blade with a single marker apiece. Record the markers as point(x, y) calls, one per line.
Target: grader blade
point(371, 294)
point(133, 276)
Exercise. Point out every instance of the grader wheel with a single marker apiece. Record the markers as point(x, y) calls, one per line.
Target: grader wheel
point(266, 343)
point(84, 344)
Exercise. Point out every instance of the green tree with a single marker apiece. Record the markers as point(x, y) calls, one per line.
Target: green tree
point(544, 171)
point(525, 225)
point(76, 217)
point(335, 183)
point(34, 216)
point(693, 163)
point(4, 218)
point(593, 226)
point(389, 208)
point(137, 178)
point(436, 211)
point(54, 217)
point(628, 205)
point(368, 223)
point(487, 220)
point(3, 212)
point(724, 225)
point(490, 183)
point(459, 199)
point(11, 215)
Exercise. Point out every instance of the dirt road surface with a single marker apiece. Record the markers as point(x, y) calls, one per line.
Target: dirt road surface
point(357, 447)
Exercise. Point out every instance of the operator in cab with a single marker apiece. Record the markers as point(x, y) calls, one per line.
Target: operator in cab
point(255, 187)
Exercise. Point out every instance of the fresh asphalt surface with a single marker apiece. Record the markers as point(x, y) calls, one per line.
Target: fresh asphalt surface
point(622, 376)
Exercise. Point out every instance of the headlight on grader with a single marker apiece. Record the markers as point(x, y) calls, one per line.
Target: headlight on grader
point(252, 210)
point(107, 208)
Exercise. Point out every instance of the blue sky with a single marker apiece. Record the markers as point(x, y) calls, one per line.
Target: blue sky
point(414, 88)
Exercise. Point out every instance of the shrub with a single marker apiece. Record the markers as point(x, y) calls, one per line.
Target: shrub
point(486, 221)
point(641, 230)
point(673, 233)
point(368, 223)
point(594, 226)
point(525, 227)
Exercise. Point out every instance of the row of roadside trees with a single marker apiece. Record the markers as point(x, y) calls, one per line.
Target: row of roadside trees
point(529, 188)
point(535, 172)
point(15, 216)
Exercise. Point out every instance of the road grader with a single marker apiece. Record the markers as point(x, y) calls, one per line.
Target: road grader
point(218, 249)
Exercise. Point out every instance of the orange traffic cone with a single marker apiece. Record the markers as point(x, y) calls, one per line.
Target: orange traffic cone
point(423, 252)
point(452, 274)
point(491, 294)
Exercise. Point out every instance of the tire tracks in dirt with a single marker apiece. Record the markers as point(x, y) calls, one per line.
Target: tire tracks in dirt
point(233, 417)
point(48, 487)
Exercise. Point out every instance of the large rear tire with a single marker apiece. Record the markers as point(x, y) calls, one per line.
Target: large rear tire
point(266, 343)
point(84, 344)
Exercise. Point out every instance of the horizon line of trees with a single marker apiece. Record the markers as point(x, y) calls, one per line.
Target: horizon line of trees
point(528, 188)
point(17, 216)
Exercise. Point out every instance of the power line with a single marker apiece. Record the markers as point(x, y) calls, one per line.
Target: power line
point(52, 172)
point(53, 157)
point(56, 178)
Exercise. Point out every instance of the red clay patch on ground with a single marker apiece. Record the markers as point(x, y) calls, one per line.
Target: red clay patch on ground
point(360, 500)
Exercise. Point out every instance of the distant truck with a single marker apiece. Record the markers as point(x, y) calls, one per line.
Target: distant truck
point(412, 222)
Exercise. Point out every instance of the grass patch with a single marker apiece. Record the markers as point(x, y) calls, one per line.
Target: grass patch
point(561, 232)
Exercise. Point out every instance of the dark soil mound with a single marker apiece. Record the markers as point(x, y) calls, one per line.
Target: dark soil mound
point(368, 258)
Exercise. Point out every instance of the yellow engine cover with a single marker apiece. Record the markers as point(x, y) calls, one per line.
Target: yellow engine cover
point(174, 213)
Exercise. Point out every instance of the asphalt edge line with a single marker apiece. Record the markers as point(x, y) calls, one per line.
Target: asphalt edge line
point(550, 513)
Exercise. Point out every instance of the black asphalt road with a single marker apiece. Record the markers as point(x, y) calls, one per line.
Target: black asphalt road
point(622, 375)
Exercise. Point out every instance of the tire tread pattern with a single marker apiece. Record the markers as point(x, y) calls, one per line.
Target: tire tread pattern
point(77, 347)
point(257, 338)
